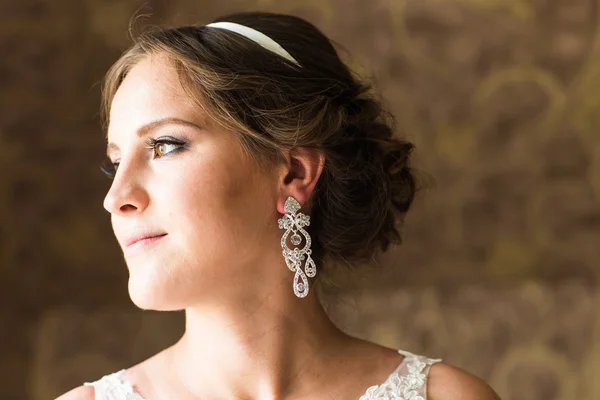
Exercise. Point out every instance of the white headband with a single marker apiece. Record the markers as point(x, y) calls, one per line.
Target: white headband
point(257, 37)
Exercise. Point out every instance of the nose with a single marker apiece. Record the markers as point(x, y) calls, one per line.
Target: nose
point(126, 194)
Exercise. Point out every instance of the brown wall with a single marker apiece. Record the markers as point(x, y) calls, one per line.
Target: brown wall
point(499, 270)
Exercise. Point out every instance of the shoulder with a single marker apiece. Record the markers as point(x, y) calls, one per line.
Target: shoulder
point(450, 383)
point(80, 393)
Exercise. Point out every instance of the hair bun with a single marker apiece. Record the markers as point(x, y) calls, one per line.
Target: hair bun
point(366, 186)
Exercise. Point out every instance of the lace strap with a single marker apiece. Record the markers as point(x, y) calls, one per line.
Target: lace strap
point(418, 372)
point(114, 387)
point(410, 357)
point(408, 381)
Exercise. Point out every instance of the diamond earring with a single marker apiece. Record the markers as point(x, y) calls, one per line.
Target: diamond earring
point(293, 223)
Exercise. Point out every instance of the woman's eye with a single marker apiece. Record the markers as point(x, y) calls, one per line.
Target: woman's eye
point(163, 147)
point(160, 147)
point(109, 168)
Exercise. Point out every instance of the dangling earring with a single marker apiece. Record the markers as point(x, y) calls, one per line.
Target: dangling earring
point(293, 258)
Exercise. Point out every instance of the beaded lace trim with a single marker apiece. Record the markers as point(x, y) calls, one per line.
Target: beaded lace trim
point(114, 387)
point(399, 385)
point(404, 386)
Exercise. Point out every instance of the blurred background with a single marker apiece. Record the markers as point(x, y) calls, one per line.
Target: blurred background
point(498, 273)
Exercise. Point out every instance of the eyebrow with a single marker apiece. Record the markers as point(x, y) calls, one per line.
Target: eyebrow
point(152, 126)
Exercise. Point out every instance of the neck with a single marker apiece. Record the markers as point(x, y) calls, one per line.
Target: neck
point(270, 346)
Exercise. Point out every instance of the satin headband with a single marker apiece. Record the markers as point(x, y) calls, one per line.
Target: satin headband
point(257, 37)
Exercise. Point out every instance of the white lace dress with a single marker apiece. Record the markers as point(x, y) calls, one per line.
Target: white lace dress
point(407, 382)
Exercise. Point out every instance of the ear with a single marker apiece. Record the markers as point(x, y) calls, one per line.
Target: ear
point(299, 177)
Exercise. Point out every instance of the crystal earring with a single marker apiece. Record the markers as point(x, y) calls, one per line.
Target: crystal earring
point(293, 223)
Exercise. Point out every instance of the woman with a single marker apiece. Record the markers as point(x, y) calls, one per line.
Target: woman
point(246, 158)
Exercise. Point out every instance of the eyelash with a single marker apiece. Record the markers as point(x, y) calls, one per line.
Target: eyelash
point(110, 168)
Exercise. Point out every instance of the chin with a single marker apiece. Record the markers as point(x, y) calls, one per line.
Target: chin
point(149, 293)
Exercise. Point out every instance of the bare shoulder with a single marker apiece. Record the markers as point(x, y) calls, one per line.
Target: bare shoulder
point(446, 382)
point(79, 393)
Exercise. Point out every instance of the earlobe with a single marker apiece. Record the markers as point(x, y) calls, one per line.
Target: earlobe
point(300, 176)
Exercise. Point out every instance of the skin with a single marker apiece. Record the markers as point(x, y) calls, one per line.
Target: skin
point(221, 261)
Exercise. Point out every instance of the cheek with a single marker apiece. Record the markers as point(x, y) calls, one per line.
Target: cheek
point(223, 204)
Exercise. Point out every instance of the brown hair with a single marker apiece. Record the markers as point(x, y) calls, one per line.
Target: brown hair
point(366, 185)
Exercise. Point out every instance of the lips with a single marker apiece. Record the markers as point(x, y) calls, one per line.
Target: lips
point(141, 238)
point(142, 242)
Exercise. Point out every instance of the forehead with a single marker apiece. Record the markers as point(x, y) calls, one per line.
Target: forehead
point(150, 91)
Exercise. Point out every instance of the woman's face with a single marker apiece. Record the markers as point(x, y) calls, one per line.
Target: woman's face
point(184, 182)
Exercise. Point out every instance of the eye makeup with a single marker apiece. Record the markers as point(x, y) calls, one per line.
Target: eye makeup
point(164, 146)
